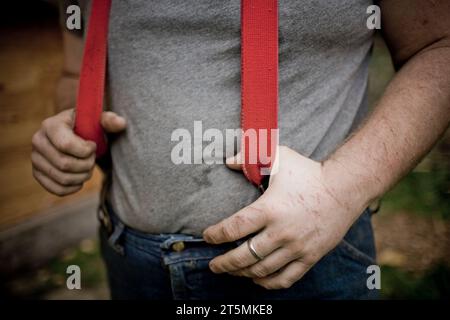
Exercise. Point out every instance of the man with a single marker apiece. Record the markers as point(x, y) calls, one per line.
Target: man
point(181, 231)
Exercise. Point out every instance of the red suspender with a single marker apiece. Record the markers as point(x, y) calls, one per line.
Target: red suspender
point(259, 81)
point(92, 78)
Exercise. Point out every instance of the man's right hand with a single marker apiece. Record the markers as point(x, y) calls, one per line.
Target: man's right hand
point(62, 161)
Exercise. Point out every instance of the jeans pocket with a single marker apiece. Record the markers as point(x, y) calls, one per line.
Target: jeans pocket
point(358, 244)
point(355, 254)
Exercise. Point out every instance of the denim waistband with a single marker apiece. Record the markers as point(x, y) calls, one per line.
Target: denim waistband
point(165, 241)
point(359, 236)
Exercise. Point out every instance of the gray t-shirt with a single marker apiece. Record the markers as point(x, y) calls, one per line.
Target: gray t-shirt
point(174, 62)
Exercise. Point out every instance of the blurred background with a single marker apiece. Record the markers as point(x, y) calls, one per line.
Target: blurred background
point(40, 234)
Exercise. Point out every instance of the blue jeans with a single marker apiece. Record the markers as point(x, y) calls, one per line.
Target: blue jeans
point(149, 266)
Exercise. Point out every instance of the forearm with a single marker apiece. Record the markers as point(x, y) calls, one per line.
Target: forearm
point(409, 119)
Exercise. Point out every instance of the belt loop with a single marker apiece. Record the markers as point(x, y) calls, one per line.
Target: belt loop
point(113, 229)
point(167, 244)
point(114, 238)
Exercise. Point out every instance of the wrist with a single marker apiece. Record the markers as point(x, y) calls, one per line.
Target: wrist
point(351, 188)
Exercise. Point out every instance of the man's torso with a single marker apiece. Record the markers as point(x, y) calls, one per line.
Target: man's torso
point(171, 63)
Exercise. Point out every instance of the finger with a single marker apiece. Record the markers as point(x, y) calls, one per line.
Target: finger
point(112, 122)
point(234, 162)
point(246, 221)
point(58, 159)
point(62, 178)
point(267, 266)
point(286, 277)
point(264, 243)
point(52, 186)
point(66, 117)
point(63, 138)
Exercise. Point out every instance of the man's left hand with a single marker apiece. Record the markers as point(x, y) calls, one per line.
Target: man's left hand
point(304, 213)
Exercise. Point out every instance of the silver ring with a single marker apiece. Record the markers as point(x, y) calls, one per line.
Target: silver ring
point(252, 250)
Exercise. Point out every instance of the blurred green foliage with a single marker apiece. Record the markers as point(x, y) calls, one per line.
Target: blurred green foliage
point(37, 284)
point(398, 284)
point(425, 193)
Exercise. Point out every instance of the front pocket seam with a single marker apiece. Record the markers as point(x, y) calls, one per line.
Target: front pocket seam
point(356, 253)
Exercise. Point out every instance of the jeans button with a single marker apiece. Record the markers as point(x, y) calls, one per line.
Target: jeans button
point(178, 246)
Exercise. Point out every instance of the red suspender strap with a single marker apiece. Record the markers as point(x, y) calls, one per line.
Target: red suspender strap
point(259, 85)
point(259, 81)
point(92, 78)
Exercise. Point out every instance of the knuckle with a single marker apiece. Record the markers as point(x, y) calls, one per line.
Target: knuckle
point(309, 259)
point(65, 180)
point(275, 237)
point(260, 270)
point(210, 235)
point(91, 162)
point(52, 173)
point(35, 140)
point(235, 263)
point(64, 144)
point(290, 236)
point(65, 164)
point(230, 230)
point(297, 249)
